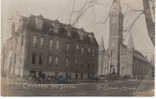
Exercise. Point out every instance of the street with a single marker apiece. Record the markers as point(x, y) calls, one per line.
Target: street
point(110, 88)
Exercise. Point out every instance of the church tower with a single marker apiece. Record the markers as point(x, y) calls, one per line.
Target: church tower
point(130, 55)
point(115, 36)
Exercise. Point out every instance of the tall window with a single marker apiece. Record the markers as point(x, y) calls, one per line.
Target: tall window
point(50, 59)
point(41, 41)
point(56, 60)
point(22, 40)
point(57, 44)
point(40, 60)
point(34, 40)
point(67, 47)
point(67, 62)
point(88, 66)
point(76, 62)
point(82, 50)
point(77, 47)
point(51, 44)
point(93, 52)
point(88, 50)
point(33, 58)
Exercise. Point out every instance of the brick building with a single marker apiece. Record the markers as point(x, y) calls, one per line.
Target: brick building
point(43, 46)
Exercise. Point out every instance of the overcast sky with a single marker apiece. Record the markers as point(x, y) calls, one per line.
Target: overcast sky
point(61, 10)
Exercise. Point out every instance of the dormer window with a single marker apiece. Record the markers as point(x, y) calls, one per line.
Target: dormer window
point(80, 35)
point(38, 23)
point(90, 37)
point(68, 34)
point(55, 27)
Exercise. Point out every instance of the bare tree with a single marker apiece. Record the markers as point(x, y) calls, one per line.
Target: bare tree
point(150, 24)
point(81, 12)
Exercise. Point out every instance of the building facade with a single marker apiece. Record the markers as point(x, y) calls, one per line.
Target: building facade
point(51, 48)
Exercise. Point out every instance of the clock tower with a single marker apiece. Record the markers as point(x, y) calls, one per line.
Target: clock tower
point(115, 36)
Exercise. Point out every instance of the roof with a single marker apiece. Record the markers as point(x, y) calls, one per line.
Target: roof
point(55, 27)
point(140, 56)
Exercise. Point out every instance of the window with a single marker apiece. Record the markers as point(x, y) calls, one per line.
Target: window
point(67, 62)
point(41, 41)
point(33, 58)
point(67, 47)
point(68, 33)
point(82, 50)
point(93, 52)
point(22, 41)
point(34, 40)
point(77, 47)
point(88, 66)
point(51, 44)
point(50, 59)
point(76, 61)
point(88, 50)
point(40, 60)
point(56, 60)
point(57, 44)
point(15, 59)
point(38, 23)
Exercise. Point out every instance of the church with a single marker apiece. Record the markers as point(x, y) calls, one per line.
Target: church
point(121, 60)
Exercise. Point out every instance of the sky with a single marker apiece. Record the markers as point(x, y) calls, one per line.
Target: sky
point(90, 21)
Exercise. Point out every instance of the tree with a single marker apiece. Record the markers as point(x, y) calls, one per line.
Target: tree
point(150, 24)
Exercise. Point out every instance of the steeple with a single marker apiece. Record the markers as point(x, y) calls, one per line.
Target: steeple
point(115, 35)
point(130, 41)
point(116, 7)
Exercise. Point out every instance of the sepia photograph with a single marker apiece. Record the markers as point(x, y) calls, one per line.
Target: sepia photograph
point(78, 48)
